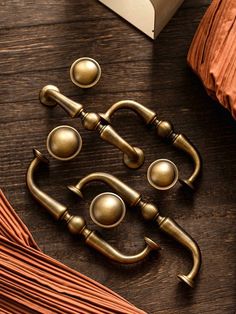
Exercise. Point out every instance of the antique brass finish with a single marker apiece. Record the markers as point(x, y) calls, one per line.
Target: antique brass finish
point(133, 156)
point(85, 72)
point(164, 129)
point(151, 213)
point(64, 143)
point(77, 224)
point(107, 210)
point(56, 209)
point(162, 174)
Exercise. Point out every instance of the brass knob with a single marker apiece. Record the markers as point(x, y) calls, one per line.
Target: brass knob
point(162, 174)
point(64, 143)
point(85, 72)
point(107, 210)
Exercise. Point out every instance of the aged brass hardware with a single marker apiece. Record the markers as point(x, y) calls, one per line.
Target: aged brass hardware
point(64, 143)
point(151, 213)
point(162, 174)
point(77, 224)
point(133, 157)
point(85, 72)
point(164, 130)
point(107, 210)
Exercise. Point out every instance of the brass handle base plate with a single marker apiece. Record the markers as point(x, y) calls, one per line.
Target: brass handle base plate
point(186, 280)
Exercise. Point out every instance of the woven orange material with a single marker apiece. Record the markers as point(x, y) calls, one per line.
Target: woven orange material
point(32, 282)
point(212, 54)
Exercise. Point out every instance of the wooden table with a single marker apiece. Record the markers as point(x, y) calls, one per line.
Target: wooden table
point(38, 43)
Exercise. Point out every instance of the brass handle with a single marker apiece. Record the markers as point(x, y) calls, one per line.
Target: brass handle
point(150, 213)
point(77, 224)
point(170, 227)
point(164, 129)
point(50, 95)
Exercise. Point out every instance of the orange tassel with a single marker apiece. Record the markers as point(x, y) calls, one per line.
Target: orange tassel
point(212, 54)
point(34, 282)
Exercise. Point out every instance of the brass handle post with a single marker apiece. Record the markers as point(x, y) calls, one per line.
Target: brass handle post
point(164, 130)
point(56, 209)
point(170, 227)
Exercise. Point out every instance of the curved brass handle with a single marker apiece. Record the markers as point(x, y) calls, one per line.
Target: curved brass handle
point(129, 195)
point(164, 129)
point(77, 224)
point(50, 95)
point(146, 114)
point(56, 209)
point(149, 212)
point(170, 227)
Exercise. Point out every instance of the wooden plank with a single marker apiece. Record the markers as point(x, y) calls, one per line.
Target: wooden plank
point(42, 12)
point(45, 46)
point(38, 42)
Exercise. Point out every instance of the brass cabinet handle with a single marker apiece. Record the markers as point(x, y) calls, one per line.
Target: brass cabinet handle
point(77, 224)
point(149, 212)
point(164, 130)
point(133, 156)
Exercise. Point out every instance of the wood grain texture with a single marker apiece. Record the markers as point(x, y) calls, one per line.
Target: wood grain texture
point(38, 42)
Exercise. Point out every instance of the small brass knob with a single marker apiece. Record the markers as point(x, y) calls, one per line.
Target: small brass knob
point(85, 72)
point(162, 174)
point(64, 143)
point(107, 210)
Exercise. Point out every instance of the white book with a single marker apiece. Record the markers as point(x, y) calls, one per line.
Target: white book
point(150, 16)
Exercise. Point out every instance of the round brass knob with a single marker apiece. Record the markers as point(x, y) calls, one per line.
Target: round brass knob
point(107, 210)
point(162, 174)
point(85, 72)
point(64, 143)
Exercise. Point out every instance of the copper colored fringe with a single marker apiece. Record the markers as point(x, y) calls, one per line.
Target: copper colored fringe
point(32, 282)
point(212, 54)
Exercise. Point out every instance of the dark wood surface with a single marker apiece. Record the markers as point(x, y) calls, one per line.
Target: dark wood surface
point(38, 42)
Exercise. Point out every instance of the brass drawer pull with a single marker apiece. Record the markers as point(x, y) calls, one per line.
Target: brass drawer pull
point(149, 212)
point(77, 224)
point(164, 130)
